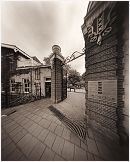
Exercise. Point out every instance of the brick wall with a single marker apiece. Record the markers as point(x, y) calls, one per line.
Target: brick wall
point(122, 71)
point(100, 66)
point(64, 84)
point(108, 63)
point(53, 74)
point(56, 77)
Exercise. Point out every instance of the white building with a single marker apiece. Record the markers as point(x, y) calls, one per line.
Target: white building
point(26, 75)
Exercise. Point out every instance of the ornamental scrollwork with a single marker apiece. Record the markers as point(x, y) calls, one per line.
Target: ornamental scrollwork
point(74, 56)
point(103, 26)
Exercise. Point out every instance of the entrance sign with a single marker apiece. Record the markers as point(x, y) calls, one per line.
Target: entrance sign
point(103, 90)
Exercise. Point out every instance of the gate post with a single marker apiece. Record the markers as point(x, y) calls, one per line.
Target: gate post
point(56, 74)
point(107, 69)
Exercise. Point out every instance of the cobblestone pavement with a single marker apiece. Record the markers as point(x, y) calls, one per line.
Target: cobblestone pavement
point(33, 132)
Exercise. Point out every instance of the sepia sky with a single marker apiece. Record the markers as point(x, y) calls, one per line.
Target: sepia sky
point(35, 26)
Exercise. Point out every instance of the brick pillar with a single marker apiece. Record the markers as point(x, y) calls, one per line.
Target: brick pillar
point(56, 74)
point(106, 62)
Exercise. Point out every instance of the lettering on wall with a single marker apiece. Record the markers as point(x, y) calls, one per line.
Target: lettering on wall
point(103, 90)
point(101, 26)
point(99, 87)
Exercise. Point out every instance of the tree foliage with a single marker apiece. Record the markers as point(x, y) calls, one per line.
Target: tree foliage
point(46, 61)
point(73, 77)
point(67, 67)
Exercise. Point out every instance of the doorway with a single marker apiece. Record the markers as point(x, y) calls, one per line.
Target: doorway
point(47, 89)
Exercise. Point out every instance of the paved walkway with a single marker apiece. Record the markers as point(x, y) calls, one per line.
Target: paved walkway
point(33, 132)
point(73, 106)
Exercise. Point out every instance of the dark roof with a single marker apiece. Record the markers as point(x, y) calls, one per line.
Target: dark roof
point(91, 5)
point(15, 48)
point(94, 5)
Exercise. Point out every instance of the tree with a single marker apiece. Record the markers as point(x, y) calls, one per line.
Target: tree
point(67, 67)
point(46, 60)
point(73, 77)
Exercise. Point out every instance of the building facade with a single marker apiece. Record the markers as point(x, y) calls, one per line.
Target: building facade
point(106, 35)
point(24, 78)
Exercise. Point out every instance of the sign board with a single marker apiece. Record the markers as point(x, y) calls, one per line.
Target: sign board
point(103, 90)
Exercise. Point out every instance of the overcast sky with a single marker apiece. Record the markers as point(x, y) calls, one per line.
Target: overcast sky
point(35, 26)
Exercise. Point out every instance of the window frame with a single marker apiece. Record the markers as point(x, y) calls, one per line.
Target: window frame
point(37, 74)
point(26, 83)
point(11, 66)
point(12, 86)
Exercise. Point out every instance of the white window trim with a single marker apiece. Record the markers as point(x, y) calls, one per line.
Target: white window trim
point(26, 87)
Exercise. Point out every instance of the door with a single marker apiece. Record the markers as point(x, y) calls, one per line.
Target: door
point(47, 89)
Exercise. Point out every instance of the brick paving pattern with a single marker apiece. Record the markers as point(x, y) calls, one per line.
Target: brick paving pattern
point(34, 133)
point(74, 105)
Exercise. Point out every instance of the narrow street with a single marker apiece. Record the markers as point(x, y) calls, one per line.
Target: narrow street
point(33, 132)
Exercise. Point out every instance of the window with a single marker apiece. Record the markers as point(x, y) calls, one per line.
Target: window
point(12, 85)
point(26, 86)
point(37, 74)
point(11, 66)
point(99, 87)
point(2, 87)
